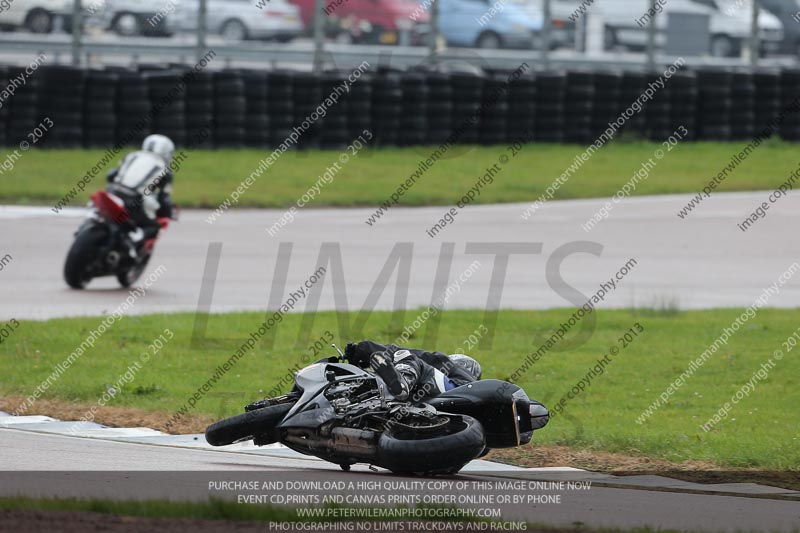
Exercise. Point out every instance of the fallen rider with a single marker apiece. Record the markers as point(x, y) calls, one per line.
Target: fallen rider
point(414, 375)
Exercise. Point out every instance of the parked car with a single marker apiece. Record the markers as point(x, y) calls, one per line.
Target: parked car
point(730, 28)
point(371, 21)
point(133, 17)
point(788, 12)
point(488, 24)
point(37, 16)
point(562, 28)
point(239, 20)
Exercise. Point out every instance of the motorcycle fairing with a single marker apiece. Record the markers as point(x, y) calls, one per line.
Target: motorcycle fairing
point(500, 406)
point(313, 381)
point(110, 206)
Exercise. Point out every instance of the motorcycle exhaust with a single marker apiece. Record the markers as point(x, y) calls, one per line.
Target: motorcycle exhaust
point(359, 443)
point(353, 443)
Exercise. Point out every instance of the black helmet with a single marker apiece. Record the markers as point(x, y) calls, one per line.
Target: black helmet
point(470, 365)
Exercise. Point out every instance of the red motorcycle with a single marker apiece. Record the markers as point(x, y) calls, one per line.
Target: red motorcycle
point(109, 243)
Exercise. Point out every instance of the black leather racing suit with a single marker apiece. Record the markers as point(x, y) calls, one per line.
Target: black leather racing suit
point(423, 374)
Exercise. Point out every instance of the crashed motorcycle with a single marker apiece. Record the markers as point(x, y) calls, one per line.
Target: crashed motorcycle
point(345, 415)
point(108, 243)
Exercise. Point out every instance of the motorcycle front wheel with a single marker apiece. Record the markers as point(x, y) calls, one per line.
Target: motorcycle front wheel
point(247, 426)
point(128, 277)
point(405, 451)
point(81, 254)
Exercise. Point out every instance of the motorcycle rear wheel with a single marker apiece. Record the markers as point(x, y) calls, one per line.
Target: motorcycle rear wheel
point(446, 452)
point(247, 426)
point(80, 256)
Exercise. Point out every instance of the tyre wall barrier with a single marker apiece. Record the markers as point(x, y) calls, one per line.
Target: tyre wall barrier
point(261, 108)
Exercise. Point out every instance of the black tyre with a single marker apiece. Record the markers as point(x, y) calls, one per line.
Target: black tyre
point(723, 46)
point(247, 426)
point(129, 277)
point(39, 21)
point(489, 40)
point(444, 452)
point(234, 30)
point(80, 256)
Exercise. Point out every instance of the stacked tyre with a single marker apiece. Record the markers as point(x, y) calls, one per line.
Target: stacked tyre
point(443, 106)
point(3, 107)
point(62, 102)
point(308, 95)
point(715, 103)
point(607, 96)
point(683, 104)
point(658, 126)
point(414, 122)
point(230, 108)
point(168, 101)
point(579, 103)
point(200, 110)
point(522, 109)
point(633, 87)
point(387, 107)
point(99, 111)
point(335, 132)
point(359, 107)
point(467, 90)
point(256, 95)
point(280, 106)
point(495, 105)
point(133, 108)
point(767, 100)
point(790, 102)
point(22, 108)
point(550, 106)
point(422, 106)
point(743, 104)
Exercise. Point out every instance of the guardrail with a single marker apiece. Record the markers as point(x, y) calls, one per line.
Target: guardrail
point(110, 50)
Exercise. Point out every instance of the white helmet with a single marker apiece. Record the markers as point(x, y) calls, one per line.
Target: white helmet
point(468, 364)
point(160, 145)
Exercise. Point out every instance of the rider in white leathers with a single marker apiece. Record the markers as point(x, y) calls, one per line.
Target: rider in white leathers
point(144, 182)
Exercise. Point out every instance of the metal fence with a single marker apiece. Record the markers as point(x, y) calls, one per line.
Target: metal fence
point(570, 33)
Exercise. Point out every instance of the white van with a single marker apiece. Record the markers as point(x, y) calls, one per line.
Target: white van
point(626, 23)
point(38, 16)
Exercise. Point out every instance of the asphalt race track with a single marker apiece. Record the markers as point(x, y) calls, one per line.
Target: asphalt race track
point(702, 261)
point(76, 467)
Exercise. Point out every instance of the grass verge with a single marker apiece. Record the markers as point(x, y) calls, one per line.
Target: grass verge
point(760, 431)
point(206, 178)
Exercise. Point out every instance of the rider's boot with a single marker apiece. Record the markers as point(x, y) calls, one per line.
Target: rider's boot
point(383, 365)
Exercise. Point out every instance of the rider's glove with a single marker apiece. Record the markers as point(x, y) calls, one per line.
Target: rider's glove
point(355, 356)
point(350, 350)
